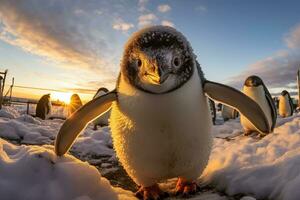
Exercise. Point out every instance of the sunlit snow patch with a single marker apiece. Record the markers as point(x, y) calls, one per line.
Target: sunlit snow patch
point(34, 172)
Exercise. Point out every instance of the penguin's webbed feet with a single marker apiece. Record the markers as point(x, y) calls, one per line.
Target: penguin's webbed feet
point(185, 188)
point(151, 193)
point(248, 132)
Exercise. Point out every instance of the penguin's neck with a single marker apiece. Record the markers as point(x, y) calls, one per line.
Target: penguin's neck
point(131, 98)
point(254, 92)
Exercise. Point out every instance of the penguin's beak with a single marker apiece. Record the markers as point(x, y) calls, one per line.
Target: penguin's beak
point(156, 74)
point(163, 75)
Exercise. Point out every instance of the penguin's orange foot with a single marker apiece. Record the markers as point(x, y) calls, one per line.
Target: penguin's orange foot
point(151, 193)
point(185, 188)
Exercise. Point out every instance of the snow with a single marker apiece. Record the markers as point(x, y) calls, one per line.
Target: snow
point(265, 169)
point(35, 172)
point(241, 167)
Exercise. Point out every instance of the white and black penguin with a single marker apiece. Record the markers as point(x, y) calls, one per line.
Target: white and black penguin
point(160, 119)
point(43, 107)
point(103, 119)
point(286, 107)
point(213, 111)
point(75, 103)
point(228, 112)
point(255, 88)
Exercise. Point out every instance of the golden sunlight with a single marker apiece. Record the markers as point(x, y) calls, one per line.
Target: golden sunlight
point(61, 96)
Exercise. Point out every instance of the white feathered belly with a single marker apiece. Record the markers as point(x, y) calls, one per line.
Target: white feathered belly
point(258, 95)
point(284, 106)
point(158, 137)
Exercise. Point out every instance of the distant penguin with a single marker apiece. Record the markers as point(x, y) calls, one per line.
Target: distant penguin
point(212, 110)
point(286, 106)
point(219, 107)
point(160, 119)
point(229, 113)
point(276, 102)
point(43, 108)
point(103, 119)
point(75, 103)
point(255, 88)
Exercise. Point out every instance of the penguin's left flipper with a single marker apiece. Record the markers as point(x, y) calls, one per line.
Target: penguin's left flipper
point(79, 119)
point(239, 101)
point(273, 109)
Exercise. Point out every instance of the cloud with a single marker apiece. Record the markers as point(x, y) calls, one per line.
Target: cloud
point(201, 8)
point(167, 23)
point(279, 70)
point(293, 38)
point(142, 5)
point(164, 8)
point(122, 26)
point(72, 34)
point(147, 19)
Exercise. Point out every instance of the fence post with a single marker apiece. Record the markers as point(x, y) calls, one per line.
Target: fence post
point(1, 91)
point(11, 89)
point(27, 112)
point(298, 84)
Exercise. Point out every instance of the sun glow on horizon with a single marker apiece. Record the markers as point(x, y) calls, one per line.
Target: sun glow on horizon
point(61, 96)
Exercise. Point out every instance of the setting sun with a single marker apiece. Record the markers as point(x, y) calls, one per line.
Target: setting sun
point(61, 96)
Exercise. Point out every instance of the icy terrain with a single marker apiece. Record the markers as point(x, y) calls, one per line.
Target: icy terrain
point(240, 167)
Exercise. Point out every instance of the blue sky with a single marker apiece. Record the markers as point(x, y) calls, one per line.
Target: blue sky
point(78, 44)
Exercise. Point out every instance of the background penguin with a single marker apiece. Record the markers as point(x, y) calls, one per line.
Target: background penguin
point(160, 119)
point(229, 113)
point(255, 88)
point(276, 102)
point(75, 103)
point(43, 108)
point(219, 107)
point(286, 106)
point(212, 110)
point(103, 119)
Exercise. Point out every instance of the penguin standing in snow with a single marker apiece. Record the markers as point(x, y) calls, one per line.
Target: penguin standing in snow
point(229, 113)
point(212, 110)
point(103, 119)
point(286, 106)
point(255, 88)
point(75, 103)
point(160, 119)
point(43, 107)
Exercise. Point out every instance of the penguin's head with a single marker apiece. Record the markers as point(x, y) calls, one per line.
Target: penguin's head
point(74, 97)
point(157, 60)
point(284, 92)
point(253, 81)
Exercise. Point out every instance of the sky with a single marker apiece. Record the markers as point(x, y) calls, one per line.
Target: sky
point(77, 45)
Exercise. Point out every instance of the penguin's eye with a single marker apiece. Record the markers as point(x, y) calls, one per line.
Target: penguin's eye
point(176, 61)
point(139, 62)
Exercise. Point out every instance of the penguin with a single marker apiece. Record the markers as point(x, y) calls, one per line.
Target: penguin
point(103, 119)
point(219, 107)
point(44, 106)
point(160, 120)
point(212, 110)
point(75, 103)
point(229, 113)
point(255, 88)
point(276, 102)
point(286, 107)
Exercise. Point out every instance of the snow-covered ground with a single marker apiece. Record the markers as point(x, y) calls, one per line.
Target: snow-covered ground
point(240, 167)
point(35, 172)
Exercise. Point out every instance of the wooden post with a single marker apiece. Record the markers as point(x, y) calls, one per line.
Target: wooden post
point(298, 84)
point(2, 84)
point(1, 91)
point(27, 112)
point(11, 89)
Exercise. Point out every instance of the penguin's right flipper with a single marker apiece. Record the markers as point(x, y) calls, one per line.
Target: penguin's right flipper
point(239, 101)
point(79, 119)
